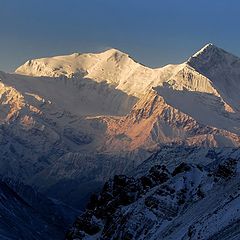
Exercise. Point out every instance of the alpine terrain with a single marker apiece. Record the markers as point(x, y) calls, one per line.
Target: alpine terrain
point(159, 148)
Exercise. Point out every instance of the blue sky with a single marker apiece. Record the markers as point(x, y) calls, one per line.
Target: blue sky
point(154, 32)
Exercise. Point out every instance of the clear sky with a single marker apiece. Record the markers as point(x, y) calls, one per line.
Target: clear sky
point(154, 32)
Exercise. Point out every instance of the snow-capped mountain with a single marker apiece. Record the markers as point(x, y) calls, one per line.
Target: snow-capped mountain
point(210, 71)
point(112, 66)
point(203, 81)
point(222, 69)
point(77, 120)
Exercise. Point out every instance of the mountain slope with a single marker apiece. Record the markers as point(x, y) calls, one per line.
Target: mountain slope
point(76, 95)
point(174, 117)
point(112, 66)
point(169, 200)
point(68, 123)
point(26, 214)
point(222, 68)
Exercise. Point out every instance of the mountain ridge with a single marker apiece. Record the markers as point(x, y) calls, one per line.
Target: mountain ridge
point(182, 195)
point(119, 70)
point(69, 123)
point(108, 106)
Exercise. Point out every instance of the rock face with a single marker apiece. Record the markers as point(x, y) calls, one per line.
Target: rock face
point(166, 203)
point(167, 123)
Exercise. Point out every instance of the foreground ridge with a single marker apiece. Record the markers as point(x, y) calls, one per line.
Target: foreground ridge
point(166, 203)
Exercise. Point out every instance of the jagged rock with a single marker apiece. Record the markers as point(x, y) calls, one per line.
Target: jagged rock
point(183, 167)
point(166, 202)
point(87, 223)
point(226, 170)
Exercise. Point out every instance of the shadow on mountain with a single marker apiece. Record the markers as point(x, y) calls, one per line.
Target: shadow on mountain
point(222, 69)
point(204, 107)
point(78, 95)
point(27, 214)
point(73, 177)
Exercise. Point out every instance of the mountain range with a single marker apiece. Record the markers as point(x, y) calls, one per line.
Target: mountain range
point(70, 123)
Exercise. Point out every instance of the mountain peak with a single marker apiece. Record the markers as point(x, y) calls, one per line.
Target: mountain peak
point(206, 52)
point(206, 48)
point(113, 52)
point(211, 56)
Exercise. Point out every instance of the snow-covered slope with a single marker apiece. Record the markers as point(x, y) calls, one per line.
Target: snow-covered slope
point(112, 66)
point(49, 148)
point(167, 116)
point(183, 197)
point(222, 69)
point(76, 95)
